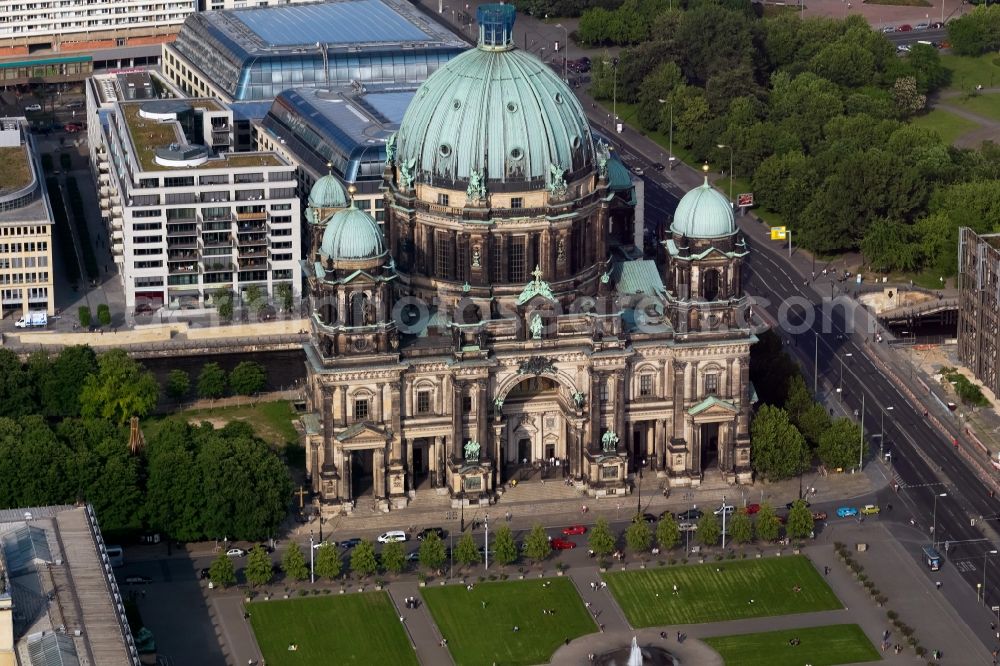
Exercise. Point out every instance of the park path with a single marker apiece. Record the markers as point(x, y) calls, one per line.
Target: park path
point(425, 637)
point(988, 130)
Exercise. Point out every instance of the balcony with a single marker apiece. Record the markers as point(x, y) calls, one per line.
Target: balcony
point(252, 252)
point(187, 268)
point(246, 239)
point(185, 255)
point(255, 215)
point(182, 243)
point(216, 240)
point(245, 264)
point(216, 264)
point(182, 230)
point(245, 228)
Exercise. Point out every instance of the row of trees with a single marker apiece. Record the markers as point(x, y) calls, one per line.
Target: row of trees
point(561, 8)
point(977, 32)
point(254, 301)
point(816, 113)
point(247, 378)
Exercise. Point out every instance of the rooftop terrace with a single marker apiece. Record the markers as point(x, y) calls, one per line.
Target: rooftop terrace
point(16, 173)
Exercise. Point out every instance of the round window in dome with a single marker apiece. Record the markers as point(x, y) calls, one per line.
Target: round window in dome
point(512, 107)
point(576, 142)
point(516, 153)
point(444, 150)
point(457, 104)
point(558, 98)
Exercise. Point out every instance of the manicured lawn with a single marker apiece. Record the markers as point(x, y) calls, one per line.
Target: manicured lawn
point(721, 591)
point(987, 106)
point(968, 72)
point(272, 421)
point(478, 635)
point(948, 126)
point(819, 646)
point(349, 629)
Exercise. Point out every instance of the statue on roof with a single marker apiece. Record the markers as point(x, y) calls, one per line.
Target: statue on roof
point(603, 155)
point(536, 288)
point(557, 180)
point(609, 441)
point(390, 150)
point(476, 191)
point(578, 399)
point(472, 451)
point(406, 172)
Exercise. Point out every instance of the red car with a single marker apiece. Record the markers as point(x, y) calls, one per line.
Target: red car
point(574, 529)
point(72, 128)
point(753, 508)
point(906, 27)
point(562, 544)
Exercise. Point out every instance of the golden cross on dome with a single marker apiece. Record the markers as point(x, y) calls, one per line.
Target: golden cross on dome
point(537, 273)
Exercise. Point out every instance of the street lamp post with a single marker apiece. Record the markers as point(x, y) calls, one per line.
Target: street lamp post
point(723, 522)
point(840, 388)
point(986, 557)
point(722, 145)
point(861, 442)
point(486, 547)
point(312, 555)
point(670, 139)
point(565, 51)
point(881, 437)
point(614, 93)
point(815, 363)
point(934, 519)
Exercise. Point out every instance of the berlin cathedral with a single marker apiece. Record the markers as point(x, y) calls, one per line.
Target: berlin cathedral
point(507, 313)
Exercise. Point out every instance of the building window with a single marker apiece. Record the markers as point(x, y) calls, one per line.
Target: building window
point(361, 409)
point(466, 404)
point(442, 199)
point(645, 385)
point(711, 384)
point(604, 391)
point(423, 402)
point(442, 257)
point(517, 202)
point(517, 264)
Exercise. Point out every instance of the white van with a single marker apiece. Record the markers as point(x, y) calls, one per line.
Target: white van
point(32, 320)
point(392, 535)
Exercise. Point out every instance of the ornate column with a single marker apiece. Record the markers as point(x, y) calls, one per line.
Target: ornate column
point(659, 444)
point(343, 406)
point(620, 428)
point(328, 425)
point(345, 474)
point(483, 417)
point(378, 471)
point(408, 462)
point(597, 379)
point(457, 391)
point(574, 451)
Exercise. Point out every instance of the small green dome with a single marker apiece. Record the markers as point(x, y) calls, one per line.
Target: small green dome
point(350, 235)
point(704, 213)
point(495, 111)
point(328, 193)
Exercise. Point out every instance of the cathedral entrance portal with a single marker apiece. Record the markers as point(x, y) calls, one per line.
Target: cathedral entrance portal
point(362, 476)
point(420, 464)
point(536, 427)
point(524, 450)
point(709, 445)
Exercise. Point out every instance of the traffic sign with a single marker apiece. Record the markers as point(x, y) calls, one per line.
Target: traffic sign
point(745, 199)
point(778, 233)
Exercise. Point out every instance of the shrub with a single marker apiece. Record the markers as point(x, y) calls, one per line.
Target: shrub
point(104, 314)
point(84, 314)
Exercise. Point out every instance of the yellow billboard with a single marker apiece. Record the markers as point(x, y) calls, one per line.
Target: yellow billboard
point(778, 233)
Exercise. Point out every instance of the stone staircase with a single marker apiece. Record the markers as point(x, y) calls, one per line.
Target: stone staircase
point(532, 492)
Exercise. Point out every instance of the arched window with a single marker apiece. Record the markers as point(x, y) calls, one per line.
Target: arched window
point(359, 309)
point(710, 285)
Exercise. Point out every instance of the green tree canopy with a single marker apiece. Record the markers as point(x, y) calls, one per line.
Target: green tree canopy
point(259, 570)
point(840, 445)
point(121, 389)
point(178, 384)
point(293, 562)
point(536, 544)
point(779, 450)
point(393, 557)
point(248, 378)
point(813, 423)
point(59, 385)
point(504, 547)
point(602, 540)
point(975, 33)
point(466, 552)
point(800, 521)
point(363, 559)
point(432, 552)
point(211, 381)
point(639, 537)
point(767, 525)
point(740, 527)
point(328, 563)
point(222, 573)
point(709, 529)
point(667, 533)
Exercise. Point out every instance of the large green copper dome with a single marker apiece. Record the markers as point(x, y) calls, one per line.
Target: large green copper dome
point(704, 213)
point(496, 111)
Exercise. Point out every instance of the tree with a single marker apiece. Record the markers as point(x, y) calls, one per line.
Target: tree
point(840, 446)
point(393, 558)
point(638, 537)
point(211, 381)
point(799, 399)
point(667, 533)
point(104, 314)
point(327, 562)
point(975, 33)
point(536, 544)
point(466, 552)
point(121, 389)
point(363, 560)
point(223, 299)
point(58, 382)
point(178, 384)
point(432, 552)
point(283, 292)
point(253, 299)
point(83, 314)
point(907, 96)
point(740, 527)
point(174, 500)
point(259, 570)
point(293, 562)
point(709, 529)
point(767, 524)
point(601, 540)
point(814, 423)
point(800, 520)
point(779, 450)
point(16, 397)
point(504, 547)
point(222, 573)
point(247, 378)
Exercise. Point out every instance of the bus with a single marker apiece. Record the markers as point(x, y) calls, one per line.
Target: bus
point(116, 555)
point(932, 558)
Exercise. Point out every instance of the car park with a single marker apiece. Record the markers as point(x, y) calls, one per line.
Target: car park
point(753, 508)
point(138, 580)
point(562, 544)
point(574, 529)
point(431, 530)
point(870, 509)
point(236, 552)
point(690, 514)
point(847, 512)
point(391, 536)
point(33, 107)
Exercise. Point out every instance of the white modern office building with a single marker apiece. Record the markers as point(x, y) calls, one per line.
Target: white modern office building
point(191, 221)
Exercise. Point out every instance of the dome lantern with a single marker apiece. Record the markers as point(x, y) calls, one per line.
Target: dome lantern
point(496, 26)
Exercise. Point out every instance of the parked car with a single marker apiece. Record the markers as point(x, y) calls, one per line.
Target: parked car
point(33, 107)
point(906, 27)
point(791, 504)
point(236, 552)
point(686, 526)
point(266, 547)
point(347, 544)
point(903, 48)
point(847, 512)
point(753, 508)
point(725, 508)
point(870, 509)
point(922, 26)
point(889, 28)
point(71, 128)
point(658, 166)
point(648, 517)
point(431, 530)
point(690, 514)
point(637, 170)
point(392, 535)
point(138, 580)
point(562, 544)
point(664, 514)
point(819, 515)
point(937, 24)
point(319, 544)
point(574, 529)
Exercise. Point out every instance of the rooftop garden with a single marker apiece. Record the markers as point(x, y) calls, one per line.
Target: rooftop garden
point(16, 173)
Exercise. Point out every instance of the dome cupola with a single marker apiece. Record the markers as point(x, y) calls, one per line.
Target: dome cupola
point(704, 212)
point(352, 235)
point(494, 114)
point(327, 192)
